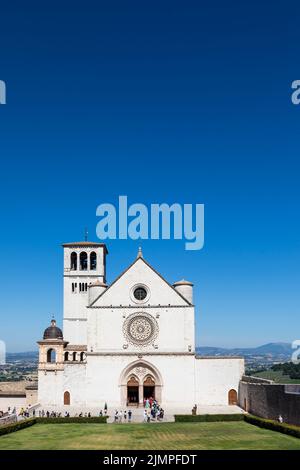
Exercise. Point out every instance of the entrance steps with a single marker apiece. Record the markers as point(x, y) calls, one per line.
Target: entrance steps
point(137, 416)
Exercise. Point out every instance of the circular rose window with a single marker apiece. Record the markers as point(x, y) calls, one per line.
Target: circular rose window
point(140, 293)
point(140, 329)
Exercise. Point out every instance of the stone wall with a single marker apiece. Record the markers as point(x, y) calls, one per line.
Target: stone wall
point(269, 400)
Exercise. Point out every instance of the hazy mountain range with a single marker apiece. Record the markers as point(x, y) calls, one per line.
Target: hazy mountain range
point(270, 349)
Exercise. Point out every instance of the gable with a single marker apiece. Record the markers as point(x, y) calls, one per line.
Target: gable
point(120, 292)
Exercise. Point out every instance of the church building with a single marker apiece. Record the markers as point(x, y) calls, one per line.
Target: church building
point(127, 341)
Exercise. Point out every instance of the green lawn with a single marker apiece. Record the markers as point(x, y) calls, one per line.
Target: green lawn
point(163, 436)
point(277, 376)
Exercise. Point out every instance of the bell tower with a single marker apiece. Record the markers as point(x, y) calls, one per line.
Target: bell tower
point(84, 264)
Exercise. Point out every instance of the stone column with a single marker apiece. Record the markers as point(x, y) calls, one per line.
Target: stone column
point(123, 395)
point(158, 394)
point(141, 394)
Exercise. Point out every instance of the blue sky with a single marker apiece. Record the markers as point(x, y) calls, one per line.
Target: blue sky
point(184, 102)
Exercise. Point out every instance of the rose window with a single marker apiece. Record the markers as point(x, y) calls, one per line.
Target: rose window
point(140, 329)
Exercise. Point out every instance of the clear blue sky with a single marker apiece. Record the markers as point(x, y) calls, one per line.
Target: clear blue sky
point(183, 102)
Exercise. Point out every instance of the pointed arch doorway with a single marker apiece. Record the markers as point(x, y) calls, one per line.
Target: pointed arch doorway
point(133, 391)
point(138, 381)
point(149, 387)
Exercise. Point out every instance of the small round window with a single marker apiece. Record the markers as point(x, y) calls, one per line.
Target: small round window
point(140, 293)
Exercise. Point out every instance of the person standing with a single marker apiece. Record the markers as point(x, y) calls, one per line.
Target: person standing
point(129, 416)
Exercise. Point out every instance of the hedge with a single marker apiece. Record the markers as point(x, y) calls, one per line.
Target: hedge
point(76, 419)
point(205, 418)
point(289, 429)
point(8, 428)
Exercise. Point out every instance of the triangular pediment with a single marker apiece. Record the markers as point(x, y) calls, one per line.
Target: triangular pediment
point(120, 292)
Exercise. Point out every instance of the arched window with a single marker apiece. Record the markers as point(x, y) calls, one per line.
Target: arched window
point(74, 287)
point(82, 356)
point(51, 356)
point(67, 398)
point(74, 356)
point(83, 261)
point(66, 356)
point(74, 261)
point(93, 261)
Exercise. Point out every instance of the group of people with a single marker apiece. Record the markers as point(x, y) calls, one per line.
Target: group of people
point(8, 412)
point(54, 414)
point(121, 416)
point(152, 410)
point(24, 413)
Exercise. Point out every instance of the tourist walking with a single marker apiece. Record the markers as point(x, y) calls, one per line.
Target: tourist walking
point(129, 416)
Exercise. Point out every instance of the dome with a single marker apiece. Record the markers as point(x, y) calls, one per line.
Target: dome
point(185, 289)
point(183, 282)
point(53, 332)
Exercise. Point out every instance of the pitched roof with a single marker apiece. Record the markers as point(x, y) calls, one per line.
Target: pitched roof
point(140, 258)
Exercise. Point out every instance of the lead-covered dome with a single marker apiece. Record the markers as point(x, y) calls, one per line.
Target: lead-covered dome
point(53, 332)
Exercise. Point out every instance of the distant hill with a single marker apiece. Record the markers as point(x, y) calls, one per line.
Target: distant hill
point(272, 349)
point(278, 350)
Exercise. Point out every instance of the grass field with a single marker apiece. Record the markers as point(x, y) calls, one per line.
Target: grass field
point(163, 436)
point(277, 376)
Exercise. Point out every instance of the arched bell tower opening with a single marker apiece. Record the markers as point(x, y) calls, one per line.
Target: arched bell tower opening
point(138, 381)
point(51, 355)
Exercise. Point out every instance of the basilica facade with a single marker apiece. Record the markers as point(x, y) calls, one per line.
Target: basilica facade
point(127, 341)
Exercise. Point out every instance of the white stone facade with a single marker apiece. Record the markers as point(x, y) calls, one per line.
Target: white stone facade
point(128, 341)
